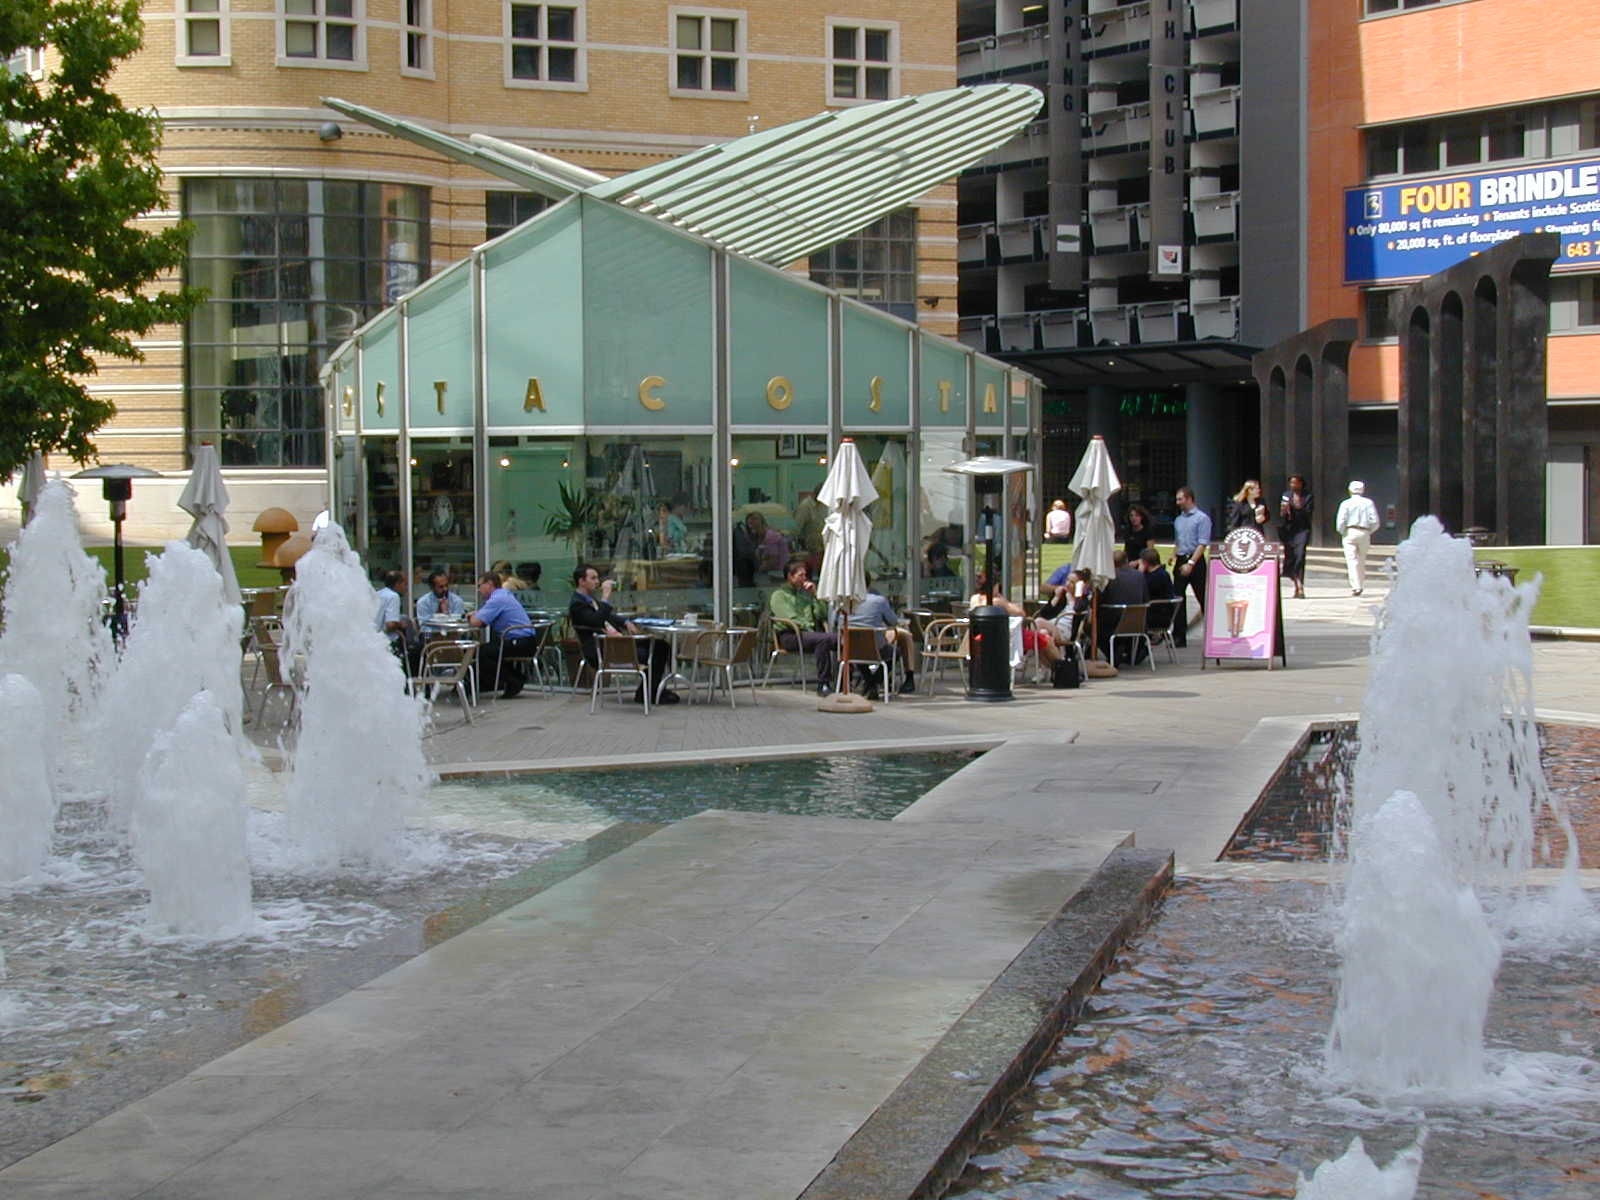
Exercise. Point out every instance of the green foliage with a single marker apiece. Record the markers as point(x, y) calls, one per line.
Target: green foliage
point(1571, 581)
point(76, 167)
point(572, 521)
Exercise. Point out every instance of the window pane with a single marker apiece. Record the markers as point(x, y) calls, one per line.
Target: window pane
point(563, 24)
point(844, 41)
point(205, 37)
point(1463, 142)
point(416, 44)
point(844, 82)
point(724, 74)
point(524, 20)
point(563, 64)
point(339, 8)
point(300, 39)
point(414, 13)
point(342, 42)
point(1419, 147)
point(307, 7)
point(1383, 152)
point(689, 72)
point(688, 33)
point(202, 6)
point(877, 83)
point(878, 45)
point(1588, 124)
point(1508, 134)
point(724, 35)
point(525, 62)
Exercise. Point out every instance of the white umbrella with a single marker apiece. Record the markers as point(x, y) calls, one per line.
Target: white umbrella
point(845, 494)
point(1095, 540)
point(205, 498)
point(33, 478)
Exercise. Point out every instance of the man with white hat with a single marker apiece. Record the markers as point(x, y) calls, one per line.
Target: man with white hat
point(1356, 522)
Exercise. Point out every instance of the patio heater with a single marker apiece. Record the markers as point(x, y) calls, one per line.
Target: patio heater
point(989, 626)
point(116, 483)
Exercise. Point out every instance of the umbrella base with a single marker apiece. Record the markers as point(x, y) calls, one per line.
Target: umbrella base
point(844, 702)
point(1098, 668)
point(990, 695)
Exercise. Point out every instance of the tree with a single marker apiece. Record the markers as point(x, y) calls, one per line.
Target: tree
point(76, 168)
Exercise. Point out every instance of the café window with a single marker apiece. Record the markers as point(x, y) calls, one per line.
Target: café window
point(322, 33)
point(707, 53)
point(544, 45)
point(203, 35)
point(290, 268)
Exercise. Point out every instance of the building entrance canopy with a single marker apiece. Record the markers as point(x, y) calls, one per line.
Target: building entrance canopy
point(597, 385)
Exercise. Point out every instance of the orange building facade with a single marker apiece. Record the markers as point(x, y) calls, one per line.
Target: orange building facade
point(1444, 108)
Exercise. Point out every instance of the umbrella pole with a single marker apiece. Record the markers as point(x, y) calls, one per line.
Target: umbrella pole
point(844, 648)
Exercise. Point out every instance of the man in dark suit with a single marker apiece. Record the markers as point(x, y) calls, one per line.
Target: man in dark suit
point(1155, 575)
point(1129, 587)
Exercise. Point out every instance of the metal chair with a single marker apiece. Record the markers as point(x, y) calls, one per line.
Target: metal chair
point(946, 641)
point(776, 627)
point(1132, 626)
point(740, 652)
point(534, 638)
point(618, 657)
point(447, 665)
point(859, 648)
point(278, 680)
point(263, 631)
point(1162, 625)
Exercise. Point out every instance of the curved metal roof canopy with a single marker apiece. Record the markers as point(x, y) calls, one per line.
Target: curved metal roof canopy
point(781, 194)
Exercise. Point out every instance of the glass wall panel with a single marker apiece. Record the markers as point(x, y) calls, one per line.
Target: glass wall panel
point(944, 384)
point(780, 348)
point(775, 512)
point(346, 479)
point(380, 374)
point(339, 396)
point(647, 322)
point(381, 462)
point(887, 556)
point(532, 525)
point(877, 380)
point(439, 350)
point(533, 311)
point(990, 396)
point(942, 516)
point(441, 508)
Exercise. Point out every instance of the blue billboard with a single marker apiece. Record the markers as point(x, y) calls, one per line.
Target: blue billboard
point(1407, 230)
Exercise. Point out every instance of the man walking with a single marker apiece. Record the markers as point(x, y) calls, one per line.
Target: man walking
point(1356, 521)
point(1191, 530)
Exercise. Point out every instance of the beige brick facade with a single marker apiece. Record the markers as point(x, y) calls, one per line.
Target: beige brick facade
point(252, 112)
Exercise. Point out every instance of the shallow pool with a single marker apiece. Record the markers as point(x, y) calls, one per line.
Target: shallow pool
point(572, 804)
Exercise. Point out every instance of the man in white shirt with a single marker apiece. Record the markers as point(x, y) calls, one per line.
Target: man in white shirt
point(1357, 521)
point(439, 599)
point(392, 621)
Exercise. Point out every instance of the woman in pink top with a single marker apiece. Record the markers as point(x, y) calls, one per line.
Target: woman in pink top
point(1058, 523)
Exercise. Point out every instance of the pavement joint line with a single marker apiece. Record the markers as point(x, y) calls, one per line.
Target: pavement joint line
point(529, 766)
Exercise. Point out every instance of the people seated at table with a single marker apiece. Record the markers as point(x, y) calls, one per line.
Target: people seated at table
point(1156, 576)
point(509, 634)
point(796, 600)
point(876, 613)
point(439, 600)
point(394, 624)
point(1038, 633)
point(1128, 587)
point(591, 615)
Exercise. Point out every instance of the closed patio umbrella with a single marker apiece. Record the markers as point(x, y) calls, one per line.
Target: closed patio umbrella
point(1094, 542)
point(28, 487)
point(842, 578)
point(205, 498)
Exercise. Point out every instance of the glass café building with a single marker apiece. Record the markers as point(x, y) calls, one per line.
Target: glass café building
point(598, 386)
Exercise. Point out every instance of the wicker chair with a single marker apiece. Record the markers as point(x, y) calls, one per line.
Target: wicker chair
point(447, 665)
point(618, 658)
point(946, 641)
point(740, 650)
point(776, 627)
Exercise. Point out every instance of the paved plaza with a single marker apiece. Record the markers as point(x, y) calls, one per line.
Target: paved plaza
point(739, 1004)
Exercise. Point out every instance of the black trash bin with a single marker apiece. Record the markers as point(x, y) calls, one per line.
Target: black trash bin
point(989, 653)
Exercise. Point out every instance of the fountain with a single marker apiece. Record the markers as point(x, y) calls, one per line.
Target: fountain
point(1353, 1175)
point(358, 771)
point(29, 813)
point(189, 827)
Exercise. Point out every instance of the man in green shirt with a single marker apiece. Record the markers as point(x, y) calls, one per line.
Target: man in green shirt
point(796, 600)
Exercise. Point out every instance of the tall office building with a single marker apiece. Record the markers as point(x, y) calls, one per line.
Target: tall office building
point(307, 224)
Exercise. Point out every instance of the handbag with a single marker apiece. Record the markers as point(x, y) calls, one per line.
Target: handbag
point(1066, 673)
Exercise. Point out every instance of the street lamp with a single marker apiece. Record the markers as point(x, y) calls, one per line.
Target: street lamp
point(116, 483)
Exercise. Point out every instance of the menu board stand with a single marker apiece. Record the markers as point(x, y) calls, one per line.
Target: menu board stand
point(1244, 600)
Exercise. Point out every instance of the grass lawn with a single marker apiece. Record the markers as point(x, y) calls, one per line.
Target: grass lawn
point(133, 564)
point(1570, 594)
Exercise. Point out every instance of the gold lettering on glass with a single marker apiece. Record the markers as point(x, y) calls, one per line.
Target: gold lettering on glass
point(439, 386)
point(875, 393)
point(780, 393)
point(945, 387)
point(648, 386)
point(349, 402)
point(534, 398)
point(990, 402)
point(379, 397)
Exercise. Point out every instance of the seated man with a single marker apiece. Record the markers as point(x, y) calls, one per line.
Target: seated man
point(507, 622)
point(394, 624)
point(1160, 583)
point(796, 600)
point(874, 612)
point(1128, 588)
point(439, 600)
point(591, 614)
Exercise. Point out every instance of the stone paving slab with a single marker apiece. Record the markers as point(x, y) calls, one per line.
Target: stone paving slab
point(712, 1011)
